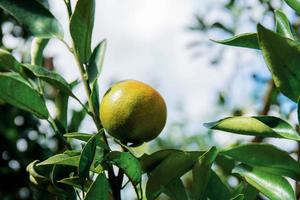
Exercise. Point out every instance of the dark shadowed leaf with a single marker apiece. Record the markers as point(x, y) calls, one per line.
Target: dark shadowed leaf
point(175, 190)
point(165, 172)
point(150, 162)
point(99, 189)
point(96, 60)
point(61, 104)
point(81, 28)
point(87, 157)
point(77, 117)
point(265, 155)
point(70, 158)
point(248, 40)
point(273, 186)
point(16, 91)
point(34, 17)
point(248, 192)
point(263, 126)
point(283, 25)
point(8, 62)
point(216, 189)
point(201, 173)
point(75, 182)
point(128, 163)
point(282, 64)
point(295, 4)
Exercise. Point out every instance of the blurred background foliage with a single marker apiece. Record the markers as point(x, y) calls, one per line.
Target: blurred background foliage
point(23, 138)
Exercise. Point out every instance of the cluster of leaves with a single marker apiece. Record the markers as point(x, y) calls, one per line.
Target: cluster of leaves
point(89, 172)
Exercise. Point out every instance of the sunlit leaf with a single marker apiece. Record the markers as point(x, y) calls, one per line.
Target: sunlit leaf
point(273, 186)
point(265, 155)
point(263, 126)
point(81, 28)
point(70, 158)
point(283, 25)
point(248, 40)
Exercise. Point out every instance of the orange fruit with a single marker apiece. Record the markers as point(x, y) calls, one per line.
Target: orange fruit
point(132, 111)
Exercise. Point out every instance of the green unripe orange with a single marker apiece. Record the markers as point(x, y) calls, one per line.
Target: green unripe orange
point(132, 111)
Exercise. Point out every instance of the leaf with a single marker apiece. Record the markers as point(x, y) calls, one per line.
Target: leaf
point(262, 126)
point(67, 158)
point(86, 136)
point(175, 190)
point(201, 173)
point(295, 4)
point(248, 40)
point(87, 157)
point(150, 162)
point(50, 77)
point(61, 103)
point(238, 197)
point(17, 92)
point(282, 64)
point(165, 172)
point(128, 163)
point(8, 62)
point(76, 120)
point(34, 17)
point(298, 111)
point(81, 28)
point(75, 182)
point(94, 97)
point(247, 191)
point(216, 189)
point(99, 189)
point(96, 60)
point(265, 155)
point(283, 25)
point(37, 47)
point(273, 186)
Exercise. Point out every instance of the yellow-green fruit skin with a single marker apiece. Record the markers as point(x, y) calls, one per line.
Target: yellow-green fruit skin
point(133, 111)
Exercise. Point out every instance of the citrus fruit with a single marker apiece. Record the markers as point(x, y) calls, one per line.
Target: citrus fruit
point(132, 111)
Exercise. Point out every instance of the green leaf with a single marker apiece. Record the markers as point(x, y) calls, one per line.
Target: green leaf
point(248, 192)
point(128, 163)
point(150, 162)
point(70, 158)
point(99, 189)
point(273, 186)
point(61, 103)
point(238, 197)
point(96, 60)
point(86, 136)
point(216, 189)
point(282, 64)
point(265, 155)
point(95, 97)
point(87, 157)
point(34, 17)
point(248, 40)
point(201, 173)
point(175, 190)
point(8, 62)
point(295, 4)
point(17, 92)
point(50, 77)
point(37, 47)
point(75, 182)
point(77, 117)
point(283, 25)
point(262, 126)
point(166, 171)
point(298, 112)
point(81, 28)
